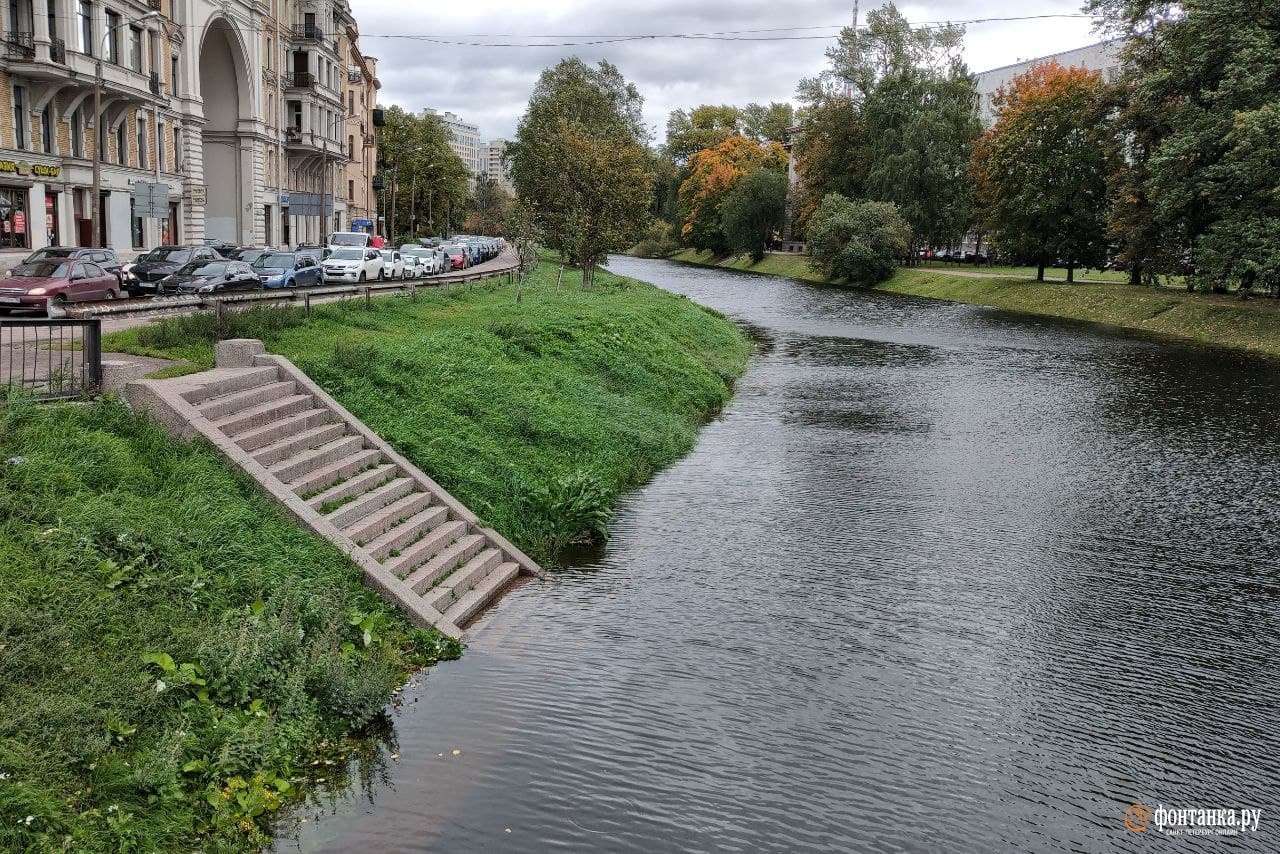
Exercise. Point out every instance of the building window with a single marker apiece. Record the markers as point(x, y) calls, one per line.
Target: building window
point(113, 38)
point(160, 159)
point(13, 218)
point(351, 148)
point(122, 145)
point(142, 143)
point(351, 103)
point(77, 133)
point(351, 191)
point(135, 49)
point(177, 148)
point(135, 222)
point(47, 142)
point(173, 75)
point(85, 13)
point(21, 125)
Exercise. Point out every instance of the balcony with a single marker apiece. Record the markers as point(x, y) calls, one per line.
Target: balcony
point(299, 141)
point(19, 45)
point(58, 51)
point(300, 80)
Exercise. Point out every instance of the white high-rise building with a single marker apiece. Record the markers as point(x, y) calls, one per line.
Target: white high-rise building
point(1103, 57)
point(464, 139)
point(496, 169)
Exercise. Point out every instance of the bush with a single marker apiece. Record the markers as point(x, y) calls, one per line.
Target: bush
point(860, 242)
point(659, 241)
point(753, 210)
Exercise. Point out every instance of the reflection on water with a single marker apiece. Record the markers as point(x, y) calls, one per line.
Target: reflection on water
point(940, 577)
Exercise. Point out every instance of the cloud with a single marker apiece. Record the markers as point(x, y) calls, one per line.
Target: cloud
point(490, 86)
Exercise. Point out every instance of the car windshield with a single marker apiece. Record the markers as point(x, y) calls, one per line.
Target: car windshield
point(274, 259)
point(177, 256)
point(387, 255)
point(203, 268)
point(347, 255)
point(50, 252)
point(348, 239)
point(44, 269)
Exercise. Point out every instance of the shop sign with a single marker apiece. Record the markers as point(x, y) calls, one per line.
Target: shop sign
point(39, 170)
point(199, 195)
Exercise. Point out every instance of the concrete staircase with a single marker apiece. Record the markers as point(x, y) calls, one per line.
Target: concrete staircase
point(417, 545)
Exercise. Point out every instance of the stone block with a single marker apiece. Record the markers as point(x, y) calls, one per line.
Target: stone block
point(237, 352)
point(117, 375)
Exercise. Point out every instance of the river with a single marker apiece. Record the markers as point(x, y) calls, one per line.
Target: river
point(941, 577)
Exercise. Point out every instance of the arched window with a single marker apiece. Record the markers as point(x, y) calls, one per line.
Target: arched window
point(351, 148)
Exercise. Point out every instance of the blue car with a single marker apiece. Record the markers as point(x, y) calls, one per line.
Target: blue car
point(287, 269)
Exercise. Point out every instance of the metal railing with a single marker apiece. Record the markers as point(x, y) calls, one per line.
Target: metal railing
point(300, 80)
point(50, 359)
point(58, 51)
point(19, 45)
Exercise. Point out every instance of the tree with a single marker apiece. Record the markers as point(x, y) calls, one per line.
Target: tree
point(425, 173)
point(579, 162)
point(488, 208)
point(893, 118)
point(860, 242)
point(753, 210)
point(704, 127)
point(1203, 85)
point(713, 172)
point(767, 123)
point(1043, 168)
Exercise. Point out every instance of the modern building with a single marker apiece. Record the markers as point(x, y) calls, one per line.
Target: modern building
point(236, 106)
point(464, 139)
point(1103, 57)
point(496, 168)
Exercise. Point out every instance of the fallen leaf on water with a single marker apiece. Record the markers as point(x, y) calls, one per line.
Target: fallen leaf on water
point(395, 756)
point(457, 752)
point(506, 830)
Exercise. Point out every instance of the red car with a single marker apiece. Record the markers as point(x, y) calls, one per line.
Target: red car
point(29, 286)
point(457, 256)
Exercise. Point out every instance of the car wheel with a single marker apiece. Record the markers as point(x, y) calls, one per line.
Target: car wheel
point(113, 294)
point(362, 277)
point(381, 275)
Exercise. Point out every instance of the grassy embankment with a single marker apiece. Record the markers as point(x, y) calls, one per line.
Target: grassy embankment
point(174, 653)
point(118, 543)
point(536, 415)
point(1207, 318)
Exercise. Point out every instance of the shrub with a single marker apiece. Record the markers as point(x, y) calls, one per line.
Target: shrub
point(860, 242)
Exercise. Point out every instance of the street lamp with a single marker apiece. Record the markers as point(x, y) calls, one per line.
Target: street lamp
point(98, 141)
point(413, 198)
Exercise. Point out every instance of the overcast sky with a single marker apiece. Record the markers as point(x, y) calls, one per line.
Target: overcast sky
point(490, 86)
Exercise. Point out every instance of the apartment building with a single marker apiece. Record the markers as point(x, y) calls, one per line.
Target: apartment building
point(237, 107)
point(465, 141)
point(496, 167)
point(362, 144)
point(1103, 57)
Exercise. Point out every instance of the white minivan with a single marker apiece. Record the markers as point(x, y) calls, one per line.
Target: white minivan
point(358, 239)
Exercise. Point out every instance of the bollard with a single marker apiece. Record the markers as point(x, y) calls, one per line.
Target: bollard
point(413, 292)
point(306, 305)
point(368, 297)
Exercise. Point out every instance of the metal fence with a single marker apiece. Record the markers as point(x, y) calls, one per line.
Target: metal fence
point(50, 359)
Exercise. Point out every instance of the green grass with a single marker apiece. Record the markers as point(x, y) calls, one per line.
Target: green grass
point(174, 652)
point(1206, 318)
point(535, 415)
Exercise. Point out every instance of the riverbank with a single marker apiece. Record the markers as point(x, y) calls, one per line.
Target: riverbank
point(175, 654)
point(1206, 318)
point(537, 415)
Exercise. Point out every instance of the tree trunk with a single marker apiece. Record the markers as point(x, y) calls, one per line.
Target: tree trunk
point(559, 276)
point(1040, 271)
point(1071, 271)
point(1135, 273)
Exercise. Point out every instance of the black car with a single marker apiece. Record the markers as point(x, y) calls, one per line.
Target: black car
point(143, 276)
point(104, 258)
point(211, 277)
point(247, 254)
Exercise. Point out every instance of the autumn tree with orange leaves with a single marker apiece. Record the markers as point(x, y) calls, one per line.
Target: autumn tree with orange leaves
point(714, 173)
point(1041, 172)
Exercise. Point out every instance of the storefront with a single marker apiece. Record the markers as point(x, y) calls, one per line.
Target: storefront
point(14, 218)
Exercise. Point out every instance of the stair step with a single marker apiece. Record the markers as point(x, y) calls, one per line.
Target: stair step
point(424, 525)
point(357, 484)
point(482, 594)
point(443, 595)
point(388, 517)
point(267, 413)
point(426, 576)
point(371, 502)
point(238, 381)
point(325, 477)
point(260, 437)
point(296, 444)
point(230, 404)
point(316, 458)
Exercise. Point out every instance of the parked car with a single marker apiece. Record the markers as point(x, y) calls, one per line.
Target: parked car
point(360, 239)
point(210, 277)
point(392, 264)
point(222, 247)
point(59, 279)
point(415, 263)
point(277, 269)
point(458, 258)
point(144, 275)
point(104, 258)
point(353, 264)
point(247, 254)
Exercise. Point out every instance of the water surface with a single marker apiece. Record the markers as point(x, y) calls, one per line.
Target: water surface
point(940, 578)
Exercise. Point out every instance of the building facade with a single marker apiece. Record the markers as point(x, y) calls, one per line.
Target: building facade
point(237, 107)
point(1103, 57)
point(464, 139)
point(362, 144)
point(497, 168)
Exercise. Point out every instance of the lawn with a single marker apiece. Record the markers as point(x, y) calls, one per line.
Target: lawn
point(174, 652)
